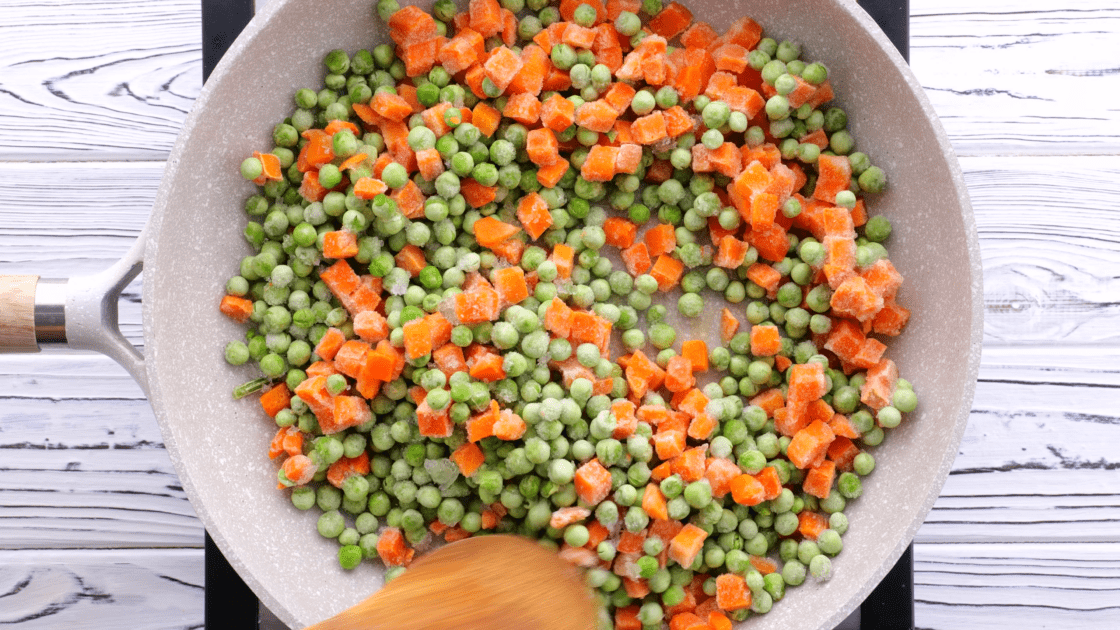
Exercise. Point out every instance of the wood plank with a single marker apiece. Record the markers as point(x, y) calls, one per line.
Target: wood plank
point(88, 473)
point(1038, 461)
point(1018, 585)
point(1010, 76)
point(1049, 247)
point(97, 80)
point(150, 589)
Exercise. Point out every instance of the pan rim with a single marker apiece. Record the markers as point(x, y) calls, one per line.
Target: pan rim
point(916, 94)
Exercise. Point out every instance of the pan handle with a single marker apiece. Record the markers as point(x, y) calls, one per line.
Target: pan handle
point(78, 313)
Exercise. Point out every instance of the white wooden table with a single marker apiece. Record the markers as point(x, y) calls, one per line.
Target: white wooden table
point(96, 532)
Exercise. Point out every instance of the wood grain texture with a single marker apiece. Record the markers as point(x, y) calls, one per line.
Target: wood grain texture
point(97, 80)
point(1011, 76)
point(1050, 247)
point(152, 589)
point(17, 313)
point(1017, 585)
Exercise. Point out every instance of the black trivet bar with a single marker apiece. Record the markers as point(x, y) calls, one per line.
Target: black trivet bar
point(231, 604)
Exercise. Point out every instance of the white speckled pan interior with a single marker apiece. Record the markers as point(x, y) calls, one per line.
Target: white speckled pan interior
point(219, 445)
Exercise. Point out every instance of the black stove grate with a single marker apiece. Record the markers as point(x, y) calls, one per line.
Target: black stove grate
point(231, 604)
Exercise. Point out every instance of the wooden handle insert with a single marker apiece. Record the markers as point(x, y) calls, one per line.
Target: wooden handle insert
point(17, 314)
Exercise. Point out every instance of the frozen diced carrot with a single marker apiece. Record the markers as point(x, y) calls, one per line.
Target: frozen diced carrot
point(535, 66)
point(834, 173)
point(732, 592)
point(548, 176)
point(660, 239)
point(620, 232)
point(350, 357)
point(810, 445)
point(391, 106)
point(649, 129)
point(419, 56)
point(890, 319)
point(524, 108)
point(699, 35)
point(485, 17)
point(557, 113)
point(765, 341)
point(592, 482)
point(677, 121)
point(533, 213)
point(275, 399)
point(502, 65)
point(237, 308)
point(599, 163)
point(854, 298)
point(596, 115)
point(486, 118)
point(349, 411)
point(636, 258)
point(510, 284)
point(746, 490)
point(460, 52)
point(542, 147)
point(410, 200)
point(371, 326)
point(410, 24)
point(368, 188)
point(684, 547)
point(667, 271)
point(628, 158)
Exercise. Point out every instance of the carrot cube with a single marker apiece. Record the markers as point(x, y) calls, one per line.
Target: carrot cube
point(502, 66)
point(649, 129)
point(765, 341)
point(557, 113)
point(510, 284)
point(542, 147)
point(596, 115)
point(485, 17)
point(238, 309)
point(535, 66)
point(746, 490)
point(855, 298)
point(592, 482)
point(732, 592)
point(636, 258)
point(620, 232)
point(411, 24)
point(460, 52)
point(391, 106)
point(548, 176)
point(684, 547)
point(834, 173)
point(667, 271)
point(810, 445)
point(671, 21)
point(660, 239)
point(486, 118)
point(533, 213)
point(524, 108)
point(699, 35)
point(349, 411)
point(628, 158)
point(371, 326)
point(599, 165)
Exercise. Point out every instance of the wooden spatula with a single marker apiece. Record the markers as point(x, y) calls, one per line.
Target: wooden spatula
point(485, 583)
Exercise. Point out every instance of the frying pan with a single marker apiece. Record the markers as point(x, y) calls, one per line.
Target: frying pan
point(193, 242)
